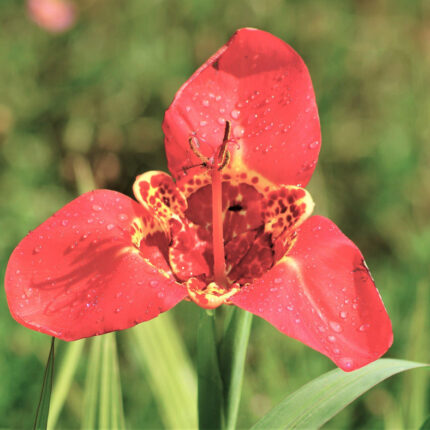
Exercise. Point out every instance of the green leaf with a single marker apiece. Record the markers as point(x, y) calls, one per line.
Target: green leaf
point(232, 362)
point(42, 412)
point(426, 424)
point(92, 384)
point(103, 399)
point(64, 379)
point(316, 402)
point(210, 391)
point(162, 356)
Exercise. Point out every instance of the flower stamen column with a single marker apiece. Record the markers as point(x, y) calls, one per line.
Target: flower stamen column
point(221, 159)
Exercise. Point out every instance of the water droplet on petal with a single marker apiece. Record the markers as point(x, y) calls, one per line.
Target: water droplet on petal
point(331, 339)
point(123, 217)
point(37, 249)
point(343, 314)
point(203, 123)
point(110, 227)
point(205, 103)
point(313, 145)
point(238, 131)
point(97, 208)
point(64, 222)
point(235, 113)
point(363, 327)
point(335, 326)
point(346, 362)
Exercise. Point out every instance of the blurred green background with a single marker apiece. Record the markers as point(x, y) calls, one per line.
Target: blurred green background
point(91, 100)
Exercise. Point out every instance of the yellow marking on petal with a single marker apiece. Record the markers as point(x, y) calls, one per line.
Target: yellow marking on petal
point(137, 233)
point(287, 208)
point(156, 191)
point(212, 296)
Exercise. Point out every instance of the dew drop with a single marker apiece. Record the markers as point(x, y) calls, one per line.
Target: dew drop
point(314, 145)
point(235, 113)
point(363, 327)
point(110, 227)
point(37, 249)
point(278, 281)
point(346, 362)
point(331, 339)
point(64, 222)
point(160, 295)
point(153, 283)
point(203, 123)
point(205, 103)
point(123, 217)
point(221, 121)
point(335, 326)
point(343, 314)
point(117, 310)
point(290, 308)
point(238, 131)
point(97, 208)
point(188, 108)
point(90, 220)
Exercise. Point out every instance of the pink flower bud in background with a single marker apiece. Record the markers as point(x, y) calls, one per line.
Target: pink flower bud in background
point(53, 15)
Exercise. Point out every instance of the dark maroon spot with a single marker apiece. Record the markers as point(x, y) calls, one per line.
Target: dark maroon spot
point(235, 208)
point(215, 64)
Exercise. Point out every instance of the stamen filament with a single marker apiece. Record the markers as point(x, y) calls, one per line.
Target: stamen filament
point(217, 229)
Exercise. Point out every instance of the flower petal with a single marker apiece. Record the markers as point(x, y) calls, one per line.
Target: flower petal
point(89, 270)
point(262, 86)
point(322, 294)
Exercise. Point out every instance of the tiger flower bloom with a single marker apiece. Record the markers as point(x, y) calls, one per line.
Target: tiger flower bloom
point(232, 225)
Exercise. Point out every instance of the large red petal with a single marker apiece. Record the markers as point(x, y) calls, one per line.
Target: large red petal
point(262, 86)
point(80, 273)
point(322, 294)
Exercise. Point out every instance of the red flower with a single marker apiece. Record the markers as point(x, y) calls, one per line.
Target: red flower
point(242, 138)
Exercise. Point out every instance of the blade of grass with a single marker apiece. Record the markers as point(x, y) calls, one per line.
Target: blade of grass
point(92, 385)
point(161, 354)
point(210, 391)
point(414, 394)
point(64, 380)
point(321, 399)
point(117, 416)
point(232, 362)
point(42, 412)
point(106, 382)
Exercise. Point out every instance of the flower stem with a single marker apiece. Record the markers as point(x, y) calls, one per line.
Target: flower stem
point(232, 363)
point(210, 392)
point(217, 229)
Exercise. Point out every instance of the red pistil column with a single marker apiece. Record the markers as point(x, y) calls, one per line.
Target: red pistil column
point(217, 228)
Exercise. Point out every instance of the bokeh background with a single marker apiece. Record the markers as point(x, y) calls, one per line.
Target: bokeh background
point(88, 104)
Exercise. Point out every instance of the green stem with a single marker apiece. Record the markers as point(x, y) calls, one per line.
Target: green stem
point(233, 355)
point(210, 393)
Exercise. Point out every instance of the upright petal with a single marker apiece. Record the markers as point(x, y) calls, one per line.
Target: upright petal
point(262, 86)
point(89, 270)
point(322, 294)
